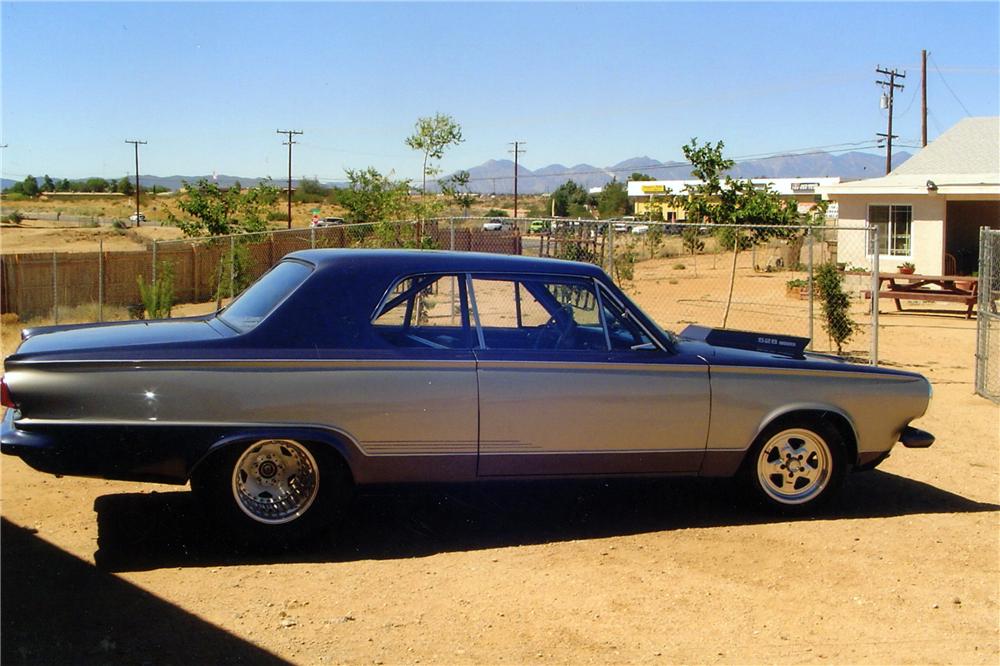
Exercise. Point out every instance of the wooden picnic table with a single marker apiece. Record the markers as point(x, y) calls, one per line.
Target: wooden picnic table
point(916, 287)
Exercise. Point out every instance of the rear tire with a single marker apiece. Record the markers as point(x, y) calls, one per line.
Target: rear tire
point(795, 465)
point(273, 492)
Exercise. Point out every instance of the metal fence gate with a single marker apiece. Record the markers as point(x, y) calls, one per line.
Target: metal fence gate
point(988, 335)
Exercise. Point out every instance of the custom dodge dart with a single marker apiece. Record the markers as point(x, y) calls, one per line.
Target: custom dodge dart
point(343, 368)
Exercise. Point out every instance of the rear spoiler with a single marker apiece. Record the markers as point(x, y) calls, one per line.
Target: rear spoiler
point(786, 345)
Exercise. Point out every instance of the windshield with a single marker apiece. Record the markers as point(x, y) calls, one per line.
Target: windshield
point(263, 296)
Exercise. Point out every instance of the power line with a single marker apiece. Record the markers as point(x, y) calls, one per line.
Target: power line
point(945, 82)
point(289, 143)
point(137, 143)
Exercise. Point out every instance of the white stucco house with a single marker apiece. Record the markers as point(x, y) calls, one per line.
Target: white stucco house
point(930, 208)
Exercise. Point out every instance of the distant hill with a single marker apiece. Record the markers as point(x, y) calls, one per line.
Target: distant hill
point(496, 176)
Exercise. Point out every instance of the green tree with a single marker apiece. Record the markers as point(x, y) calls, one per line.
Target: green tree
point(373, 197)
point(310, 190)
point(95, 185)
point(215, 212)
point(640, 176)
point(613, 200)
point(431, 136)
point(64, 185)
point(125, 186)
point(569, 199)
point(29, 187)
point(47, 184)
point(720, 199)
point(456, 187)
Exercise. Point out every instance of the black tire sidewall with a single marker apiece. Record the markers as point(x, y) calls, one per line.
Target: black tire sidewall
point(214, 487)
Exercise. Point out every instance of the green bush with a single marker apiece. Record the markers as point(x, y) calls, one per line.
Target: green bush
point(277, 216)
point(158, 296)
point(15, 217)
point(836, 304)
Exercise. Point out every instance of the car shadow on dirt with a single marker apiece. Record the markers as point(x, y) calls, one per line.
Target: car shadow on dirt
point(142, 531)
point(59, 609)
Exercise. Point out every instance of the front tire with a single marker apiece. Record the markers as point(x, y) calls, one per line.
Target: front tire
point(273, 492)
point(796, 465)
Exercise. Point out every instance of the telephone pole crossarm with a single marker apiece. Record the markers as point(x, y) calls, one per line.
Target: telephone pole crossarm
point(891, 84)
point(290, 143)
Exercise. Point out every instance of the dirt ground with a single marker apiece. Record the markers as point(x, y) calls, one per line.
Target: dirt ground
point(50, 236)
point(904, 567)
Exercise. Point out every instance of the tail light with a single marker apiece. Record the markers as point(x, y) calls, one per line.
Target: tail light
point(5, 398)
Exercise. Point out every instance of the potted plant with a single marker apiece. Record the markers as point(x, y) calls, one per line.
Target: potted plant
point(906, 268)
point(797, 288)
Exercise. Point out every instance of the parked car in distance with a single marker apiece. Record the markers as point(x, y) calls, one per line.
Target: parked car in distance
point(137, 219)
point(640, 229)
point(499, 224)
point(346, 368)
point(328, 222)
point(538, 227)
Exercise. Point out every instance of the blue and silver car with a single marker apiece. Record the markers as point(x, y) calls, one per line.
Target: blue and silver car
point(341, 368)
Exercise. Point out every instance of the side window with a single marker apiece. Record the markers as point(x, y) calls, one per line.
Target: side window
point(537, 313)
point(623, 333)
point(425, 311)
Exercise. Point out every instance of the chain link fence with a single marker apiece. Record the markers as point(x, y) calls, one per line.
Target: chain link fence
point(678, 273)
point(988, 324)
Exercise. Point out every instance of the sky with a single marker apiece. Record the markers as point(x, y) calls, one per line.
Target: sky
point(207, 85)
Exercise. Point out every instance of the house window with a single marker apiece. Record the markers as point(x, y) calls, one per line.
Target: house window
point(894, 226)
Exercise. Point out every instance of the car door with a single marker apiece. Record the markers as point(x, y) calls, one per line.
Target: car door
point(413, 402)
point(570, 384)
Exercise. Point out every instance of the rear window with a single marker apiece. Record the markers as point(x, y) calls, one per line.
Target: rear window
point(250, 308)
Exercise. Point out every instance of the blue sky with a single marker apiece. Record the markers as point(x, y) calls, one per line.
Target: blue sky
point(207, 85)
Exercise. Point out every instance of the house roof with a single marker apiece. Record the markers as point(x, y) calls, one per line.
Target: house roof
point(963, 160)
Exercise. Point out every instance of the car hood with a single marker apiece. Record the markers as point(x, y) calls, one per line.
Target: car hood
point(718, 355)
point(94, 337)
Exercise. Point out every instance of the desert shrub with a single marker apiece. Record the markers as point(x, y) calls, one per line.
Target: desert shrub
point(277, 216)
point(15, 217)
point(495, 212)
point(158, 296)
point(689, 238)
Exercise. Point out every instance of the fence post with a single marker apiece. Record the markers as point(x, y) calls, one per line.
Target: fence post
point(154, 261)
point(810, 286)
point(610, 234)
point(232, 265)
point(312, 238)
point(451, 233)
point(100, 279)
point(874, 289)
point(55, 291)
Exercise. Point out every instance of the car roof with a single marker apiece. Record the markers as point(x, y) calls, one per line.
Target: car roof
point(399, 262)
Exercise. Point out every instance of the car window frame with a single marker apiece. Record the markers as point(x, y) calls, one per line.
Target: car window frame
point(388, 300)
point(219, 314)
point(470, 311)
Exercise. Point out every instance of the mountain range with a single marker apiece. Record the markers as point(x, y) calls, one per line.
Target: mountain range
point(496, 176)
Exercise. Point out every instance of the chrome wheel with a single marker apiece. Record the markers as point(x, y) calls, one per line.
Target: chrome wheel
point(794, 466)
point(275, 481)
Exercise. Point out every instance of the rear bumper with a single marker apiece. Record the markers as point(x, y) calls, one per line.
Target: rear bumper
point(915, 438)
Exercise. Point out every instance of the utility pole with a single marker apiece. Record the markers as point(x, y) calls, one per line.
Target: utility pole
point(889, 136)
point(517, 151)
point(136, 143)
point(923, 97)
point(289, 143)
